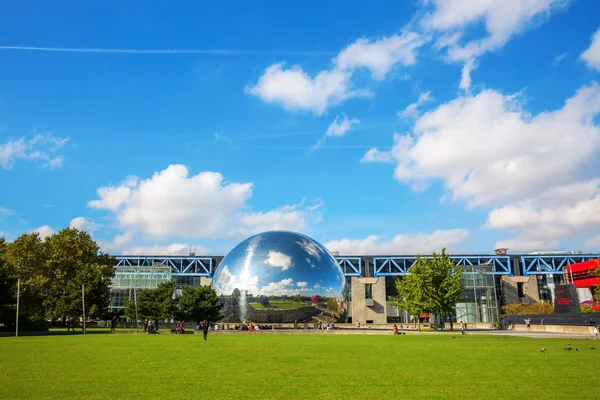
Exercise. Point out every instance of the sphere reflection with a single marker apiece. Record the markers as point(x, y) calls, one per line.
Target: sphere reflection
point(280, 276)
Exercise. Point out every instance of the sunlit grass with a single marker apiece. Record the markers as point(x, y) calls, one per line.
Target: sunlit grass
point(326, 366)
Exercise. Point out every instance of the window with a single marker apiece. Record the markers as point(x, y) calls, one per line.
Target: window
point(368, 291)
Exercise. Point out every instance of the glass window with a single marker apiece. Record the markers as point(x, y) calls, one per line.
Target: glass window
point(368, 291)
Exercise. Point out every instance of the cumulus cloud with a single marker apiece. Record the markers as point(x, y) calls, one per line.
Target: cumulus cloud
point(4, 212)
point(565, 211)
point(592, 55)
point(526, 245)
point(83, 224)
point(278, 260)
point(181, 249)
point(339, 127)
point(43, 231)
point(411, 111)
point(40, 149)
point(501, 19)
point(301, 284)
point(294, 89)
point(174, 203)
point(486, 149)
point(401, 244)
point(381, 55)
point(592, 243)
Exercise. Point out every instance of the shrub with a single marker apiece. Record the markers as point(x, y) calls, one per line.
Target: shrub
point(587, 309)
point(539, 308)
point(514, 309)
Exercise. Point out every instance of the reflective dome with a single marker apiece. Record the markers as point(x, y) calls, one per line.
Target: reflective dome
point(280, 276)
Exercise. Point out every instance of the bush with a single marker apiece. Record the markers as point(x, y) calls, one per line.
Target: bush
point(587, 309)
point(539, 308)
point(524, 308)
point(514, 309)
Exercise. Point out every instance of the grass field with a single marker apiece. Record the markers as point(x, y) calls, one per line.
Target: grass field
point(278, 305)
point(100, 366)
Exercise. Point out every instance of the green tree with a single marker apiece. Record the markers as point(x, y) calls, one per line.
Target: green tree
point(7, 289)
point(25, 259)
point(434, 286)
point(73, 259)
point(412, 292)
point(198, 304)
point(153, 304)
point(445, 285)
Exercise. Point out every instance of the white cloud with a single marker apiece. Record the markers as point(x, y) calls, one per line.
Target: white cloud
point(411, 111)
point(311, 248)
point(375, 155)
point(83, 224)
point(301, 284)
point(381, 55)
point(401, 244)
point(43, 231)
point(566, 211)
point(593, 242)
point(559, 58)
point(526, 245)
point(4, 212)
point(592, 55)
point(486, 149)
point(294, 89)
point(502, 20)
point(182, 249)
point(37, 149)
point(339, 127)
point(278, 260)
point(173, 203)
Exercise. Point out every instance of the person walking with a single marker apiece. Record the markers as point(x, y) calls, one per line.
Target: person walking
point(205, 329)
point(595, 332)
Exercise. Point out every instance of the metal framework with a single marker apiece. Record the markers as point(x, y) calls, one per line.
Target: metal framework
point(180, 265)
point(395, 266)
point(352, 266)
point(552, 264)
point(541, 264)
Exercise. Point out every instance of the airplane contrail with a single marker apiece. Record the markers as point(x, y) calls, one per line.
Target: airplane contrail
point(223, 52)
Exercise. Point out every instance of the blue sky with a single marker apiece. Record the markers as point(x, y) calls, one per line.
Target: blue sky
point(387, 129)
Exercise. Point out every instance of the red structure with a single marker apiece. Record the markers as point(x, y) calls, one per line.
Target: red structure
point(583, 275)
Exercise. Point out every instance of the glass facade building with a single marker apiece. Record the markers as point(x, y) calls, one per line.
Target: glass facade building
point(128, 279)
point(480, 303)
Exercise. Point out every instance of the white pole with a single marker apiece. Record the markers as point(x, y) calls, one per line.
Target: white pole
point(136, 314)
point(83, 304)
point(18, 297)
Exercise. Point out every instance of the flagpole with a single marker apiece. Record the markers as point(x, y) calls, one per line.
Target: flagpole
point(18, 298)
point(83, 304)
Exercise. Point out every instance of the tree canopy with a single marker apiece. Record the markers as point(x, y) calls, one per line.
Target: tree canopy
point(153, 304)
point(433, 286)
point(52, 272)
point(198, 304)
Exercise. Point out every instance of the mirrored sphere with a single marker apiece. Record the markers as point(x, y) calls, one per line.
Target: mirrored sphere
point(280, 276)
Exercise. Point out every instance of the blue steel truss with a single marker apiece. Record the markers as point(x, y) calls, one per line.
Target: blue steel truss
point(396, 266)
point(352, 266)
point(180, 265)
point(552, 264)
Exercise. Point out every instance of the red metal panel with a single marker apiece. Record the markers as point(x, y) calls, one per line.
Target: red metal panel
point(582, 273)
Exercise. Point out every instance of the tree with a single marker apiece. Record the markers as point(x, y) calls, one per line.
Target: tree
point(73, 259)
point(25, 259)
point(153, 304)
point(412, 292)
point(445, 285)
point(434, 285)
point(198, 304)
point(7, 289)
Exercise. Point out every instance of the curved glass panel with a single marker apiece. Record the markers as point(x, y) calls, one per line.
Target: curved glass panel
point(280, 276)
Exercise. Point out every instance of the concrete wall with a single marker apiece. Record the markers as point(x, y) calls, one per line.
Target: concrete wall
point(510, 291)
point(360, 311)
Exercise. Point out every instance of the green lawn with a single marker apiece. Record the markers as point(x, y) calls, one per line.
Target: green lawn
point(278, 305)
point(243, 366)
